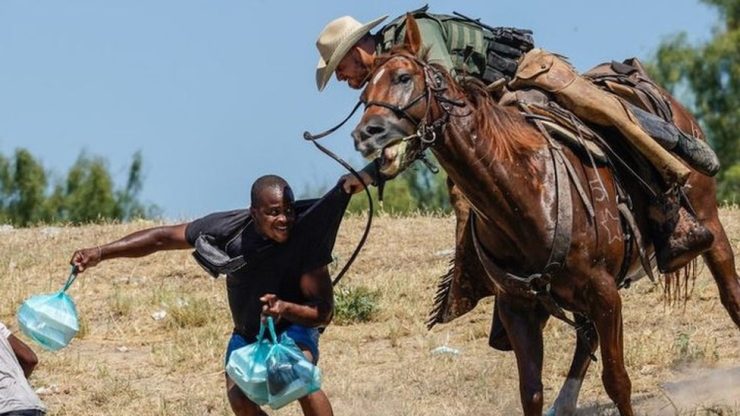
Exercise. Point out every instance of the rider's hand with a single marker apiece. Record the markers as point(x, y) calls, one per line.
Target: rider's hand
point(351, 185)
point(272, 306)
point(85, 258)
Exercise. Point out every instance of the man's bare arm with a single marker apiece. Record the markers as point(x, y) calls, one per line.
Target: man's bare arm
point(137, 244)
point(26, 357)
point(317, 288)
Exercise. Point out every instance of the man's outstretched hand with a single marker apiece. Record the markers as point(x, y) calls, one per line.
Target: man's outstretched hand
point(351, 185)
point(85, 258)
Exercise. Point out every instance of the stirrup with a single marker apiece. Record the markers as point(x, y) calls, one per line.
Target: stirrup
point(687, 240)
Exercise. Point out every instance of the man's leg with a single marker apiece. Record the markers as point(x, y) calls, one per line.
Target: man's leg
point(315, 404)
point(677, 238)
point(677, 235)
point(307, 339)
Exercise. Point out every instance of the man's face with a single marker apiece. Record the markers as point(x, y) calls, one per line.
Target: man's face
point(273, 213)
point(352, 70)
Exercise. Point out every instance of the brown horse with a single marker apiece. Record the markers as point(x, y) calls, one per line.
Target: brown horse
point(506, 169)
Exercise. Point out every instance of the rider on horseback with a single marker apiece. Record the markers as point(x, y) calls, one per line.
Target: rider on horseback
point(503, 58)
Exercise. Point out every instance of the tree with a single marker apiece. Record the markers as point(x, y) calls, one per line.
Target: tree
point(85, 195)
point(24, 189)
point(709, 76)
point(128, 198)
point(88, 195)
point(417, 189)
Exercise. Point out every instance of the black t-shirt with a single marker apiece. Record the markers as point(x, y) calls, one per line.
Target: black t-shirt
point(272, 267)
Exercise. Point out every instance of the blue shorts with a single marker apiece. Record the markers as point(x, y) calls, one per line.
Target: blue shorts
point(304, 337)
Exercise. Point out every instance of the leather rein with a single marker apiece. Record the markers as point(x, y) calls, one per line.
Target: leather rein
point(426, 133)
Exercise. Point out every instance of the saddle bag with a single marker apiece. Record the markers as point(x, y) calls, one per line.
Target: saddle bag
point(505, 47)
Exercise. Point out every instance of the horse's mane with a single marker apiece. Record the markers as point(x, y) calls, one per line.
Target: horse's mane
point(508, 135)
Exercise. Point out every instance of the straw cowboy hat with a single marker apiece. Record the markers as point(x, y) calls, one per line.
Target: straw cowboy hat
point(335, 41)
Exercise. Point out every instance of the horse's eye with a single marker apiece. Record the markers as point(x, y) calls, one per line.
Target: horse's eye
point(404, 78)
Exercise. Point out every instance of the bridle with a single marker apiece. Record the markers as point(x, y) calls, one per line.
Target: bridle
point(435, 87)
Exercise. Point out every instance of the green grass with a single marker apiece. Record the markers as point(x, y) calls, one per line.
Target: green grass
point(354, 304)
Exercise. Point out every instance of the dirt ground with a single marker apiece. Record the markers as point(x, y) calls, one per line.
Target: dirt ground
point(694, 391)
point(683, 358)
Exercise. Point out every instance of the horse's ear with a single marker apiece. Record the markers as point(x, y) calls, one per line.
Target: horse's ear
point(367, 59)
point(412, 41)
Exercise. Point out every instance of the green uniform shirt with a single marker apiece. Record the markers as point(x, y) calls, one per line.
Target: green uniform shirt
point(432, 39)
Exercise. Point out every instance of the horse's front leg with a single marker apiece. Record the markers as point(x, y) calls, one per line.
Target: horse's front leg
point(586, 343)
point(721, 263)
point(524, 320)
point(719, 257)
point(605, 307)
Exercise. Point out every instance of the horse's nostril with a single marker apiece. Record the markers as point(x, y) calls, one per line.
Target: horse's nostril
point(369, 131)
point(373, 130)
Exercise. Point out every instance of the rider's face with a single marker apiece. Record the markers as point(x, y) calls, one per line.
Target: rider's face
point(352, 70)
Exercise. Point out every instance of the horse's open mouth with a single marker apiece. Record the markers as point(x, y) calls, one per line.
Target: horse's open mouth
point(392, 158)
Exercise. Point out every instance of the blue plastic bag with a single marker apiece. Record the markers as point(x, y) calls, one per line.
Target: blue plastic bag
point(290, 375)
point(273, 372)
point(246, 367)
point(50, 320)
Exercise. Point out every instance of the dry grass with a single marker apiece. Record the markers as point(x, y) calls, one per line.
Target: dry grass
point(126, 363)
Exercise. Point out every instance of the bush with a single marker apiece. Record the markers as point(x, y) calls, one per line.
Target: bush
point(355, 304)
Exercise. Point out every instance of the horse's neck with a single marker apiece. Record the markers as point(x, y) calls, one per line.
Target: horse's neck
point(506, 194)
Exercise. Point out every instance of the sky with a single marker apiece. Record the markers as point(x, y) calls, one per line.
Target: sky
point(215, 93)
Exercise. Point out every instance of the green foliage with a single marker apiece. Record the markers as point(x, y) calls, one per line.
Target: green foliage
point(415, 190)
point(87, 193)
point(354, 304)
point(26, 186)
point(708, 75)
point(128, 203)
point(730, 186)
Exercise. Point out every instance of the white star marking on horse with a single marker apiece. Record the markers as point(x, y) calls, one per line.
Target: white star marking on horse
point(605, 223)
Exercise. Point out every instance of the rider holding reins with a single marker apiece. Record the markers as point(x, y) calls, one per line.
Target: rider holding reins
point(503, 58)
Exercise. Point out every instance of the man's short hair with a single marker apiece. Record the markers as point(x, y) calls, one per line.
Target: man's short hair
point(266, 182)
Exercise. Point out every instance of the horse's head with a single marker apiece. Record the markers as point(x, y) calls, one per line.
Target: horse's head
point(400, 107)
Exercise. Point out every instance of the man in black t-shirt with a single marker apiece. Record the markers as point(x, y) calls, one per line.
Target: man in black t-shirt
point(286, 247)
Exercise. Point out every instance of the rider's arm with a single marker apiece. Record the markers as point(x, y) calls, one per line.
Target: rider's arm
point(138, 244)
